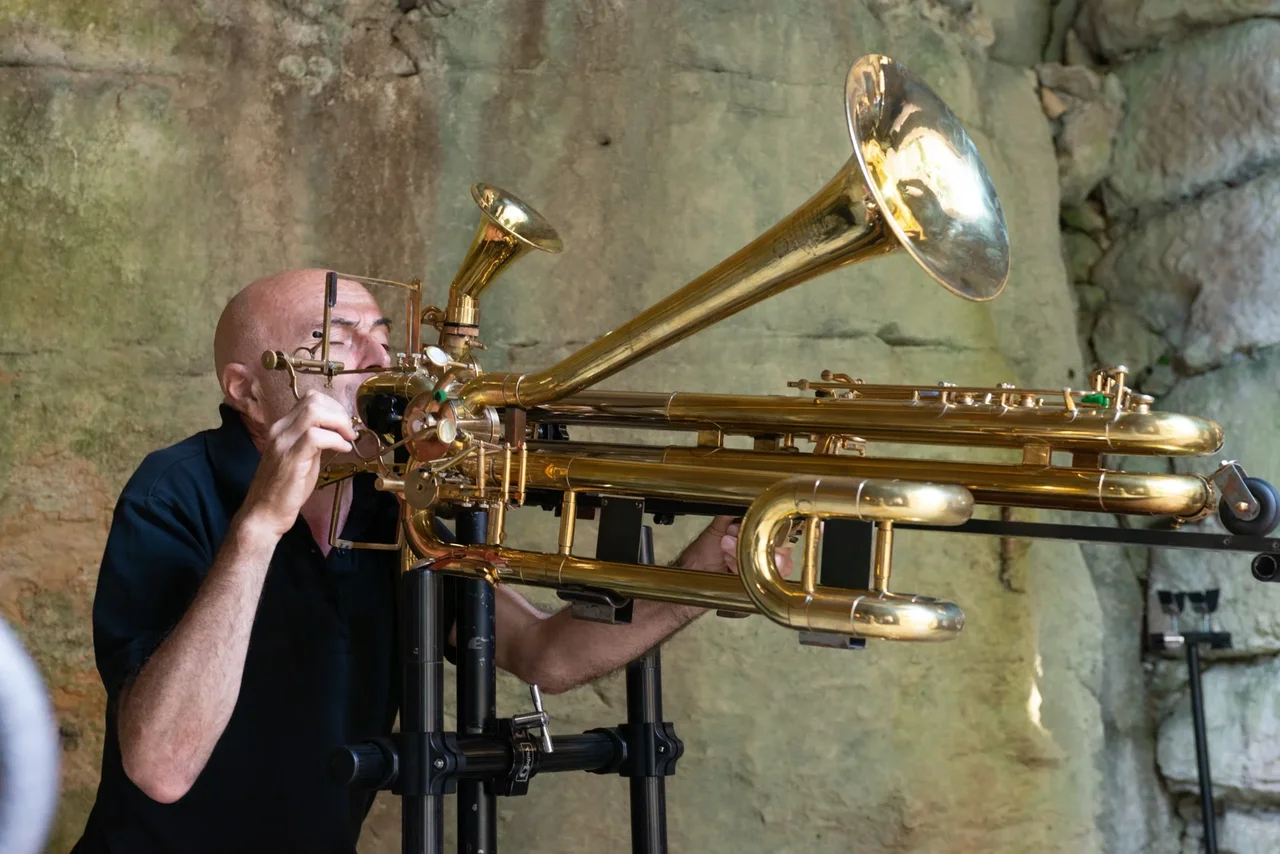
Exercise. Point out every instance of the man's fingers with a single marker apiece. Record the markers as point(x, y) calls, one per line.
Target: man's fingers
point(326, 440)
point(721, 524)
point(318, 411)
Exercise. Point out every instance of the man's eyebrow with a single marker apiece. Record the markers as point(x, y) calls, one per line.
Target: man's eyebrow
point(351, 324)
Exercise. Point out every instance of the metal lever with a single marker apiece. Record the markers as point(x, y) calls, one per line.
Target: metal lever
point(538, 718)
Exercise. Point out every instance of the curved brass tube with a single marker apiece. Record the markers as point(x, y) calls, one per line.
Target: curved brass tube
point(537, 569)
point(1087, 430)
point(1184, 496)
point(873, 614)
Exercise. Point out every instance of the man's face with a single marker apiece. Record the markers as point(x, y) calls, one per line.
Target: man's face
point(358, 338)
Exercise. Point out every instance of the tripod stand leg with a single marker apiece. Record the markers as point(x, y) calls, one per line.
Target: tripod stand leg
point(1202, 749)
point(477, 709)
point(422, 711)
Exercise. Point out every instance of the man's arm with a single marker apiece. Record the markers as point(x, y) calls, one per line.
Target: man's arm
point(558, 652)
point(179, 703)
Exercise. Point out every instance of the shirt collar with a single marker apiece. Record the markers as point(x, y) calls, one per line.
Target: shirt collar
point(233, 455)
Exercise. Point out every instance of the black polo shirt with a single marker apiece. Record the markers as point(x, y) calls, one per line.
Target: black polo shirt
point(321, 669)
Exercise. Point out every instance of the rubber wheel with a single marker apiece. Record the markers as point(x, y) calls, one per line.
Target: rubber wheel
point(1268, 511)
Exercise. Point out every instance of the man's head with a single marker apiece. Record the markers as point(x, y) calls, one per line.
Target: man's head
point(285, 312)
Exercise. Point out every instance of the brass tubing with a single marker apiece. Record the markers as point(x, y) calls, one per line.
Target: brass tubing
point(809, 566)
point(625, 477)
point(857, 612)
point(1047, 487)
point(497, 563)
point(832, 229)
point(988, 425)
point(568, 519)
point(884, 557)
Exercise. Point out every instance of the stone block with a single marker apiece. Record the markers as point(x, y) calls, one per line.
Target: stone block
point(1199, 113)
point(1242, 725)
point(1205, 275)
point(1116, 28)
point(1238, 831)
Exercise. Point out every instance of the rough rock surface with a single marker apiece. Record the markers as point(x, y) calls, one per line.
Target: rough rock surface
point(1206, 275)
point(1113, 28)
point(1086, 109)
point(1135, 813)
point(1200, 113)
point(156, 155)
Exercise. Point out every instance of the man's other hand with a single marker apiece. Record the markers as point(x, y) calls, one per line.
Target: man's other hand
point(716, 550)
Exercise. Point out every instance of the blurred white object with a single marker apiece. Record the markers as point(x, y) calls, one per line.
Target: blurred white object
point(28, 751)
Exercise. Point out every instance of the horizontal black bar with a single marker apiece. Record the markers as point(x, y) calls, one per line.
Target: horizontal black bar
point(489, 756)
point(984, 527)
point(1103, 534)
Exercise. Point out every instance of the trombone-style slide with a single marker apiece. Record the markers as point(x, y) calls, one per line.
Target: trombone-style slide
point(875, 613)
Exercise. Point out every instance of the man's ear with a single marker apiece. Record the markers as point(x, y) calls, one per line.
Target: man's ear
point(243, 391)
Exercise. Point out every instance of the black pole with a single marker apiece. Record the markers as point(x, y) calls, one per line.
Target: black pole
point(477, 709)
point(422, 815)
point(644, 711)
point(1202, 749)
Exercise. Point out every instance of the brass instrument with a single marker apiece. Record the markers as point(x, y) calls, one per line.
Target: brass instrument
point(447, 434)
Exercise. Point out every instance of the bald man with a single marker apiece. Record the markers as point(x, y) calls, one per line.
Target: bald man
point(237, 649)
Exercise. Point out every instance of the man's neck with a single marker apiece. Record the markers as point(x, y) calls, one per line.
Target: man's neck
point(318, 514)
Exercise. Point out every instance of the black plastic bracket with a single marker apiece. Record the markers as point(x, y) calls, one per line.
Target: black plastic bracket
point(597, 606)
point(429, 764)
point(525, 751)
point(652, 749)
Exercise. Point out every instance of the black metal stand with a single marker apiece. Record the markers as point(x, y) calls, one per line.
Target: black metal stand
point(490, 757)
point(654, 748)
point(477, 712)
point(422, 714)
point(1192, 641)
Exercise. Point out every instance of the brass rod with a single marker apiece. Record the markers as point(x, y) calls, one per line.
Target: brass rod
point(568, 520)
point(884, 557)
point(809, 569)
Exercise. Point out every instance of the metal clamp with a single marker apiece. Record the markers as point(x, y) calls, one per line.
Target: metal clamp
point(538, 718)
point(1229, 478)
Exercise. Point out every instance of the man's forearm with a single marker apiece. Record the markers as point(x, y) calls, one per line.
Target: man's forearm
point(572, 652)
point(178, 705)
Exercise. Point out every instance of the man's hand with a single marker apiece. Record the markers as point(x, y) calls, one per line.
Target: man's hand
point(716, 550)
point(291, 460)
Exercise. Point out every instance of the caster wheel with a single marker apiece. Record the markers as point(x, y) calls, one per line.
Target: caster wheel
point(1268, 511)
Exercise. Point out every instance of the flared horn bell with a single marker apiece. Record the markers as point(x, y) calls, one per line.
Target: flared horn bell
point(508, 229)
point(925, 175)
point(915, 182)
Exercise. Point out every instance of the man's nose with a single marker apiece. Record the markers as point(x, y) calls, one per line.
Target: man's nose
point(375, 354)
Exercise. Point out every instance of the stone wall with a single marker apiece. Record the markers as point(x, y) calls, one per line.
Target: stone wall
point(156, 155)
point(1168, 136)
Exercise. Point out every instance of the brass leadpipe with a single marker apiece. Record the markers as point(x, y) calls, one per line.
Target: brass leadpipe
point(760, 589)
point(1047, 487)
point(1101, 431)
